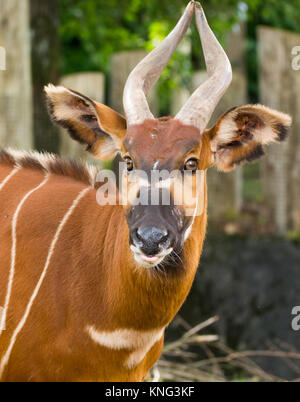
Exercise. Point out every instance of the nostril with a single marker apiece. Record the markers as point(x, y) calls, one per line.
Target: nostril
point(166, 241)
point(164, 238)
point(138, 235)
point(136, 238)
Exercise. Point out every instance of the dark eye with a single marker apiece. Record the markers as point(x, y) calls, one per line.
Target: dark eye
point(191, 165)
point(129, 164)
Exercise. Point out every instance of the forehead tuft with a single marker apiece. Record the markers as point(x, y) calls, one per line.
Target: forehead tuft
point(164, 140)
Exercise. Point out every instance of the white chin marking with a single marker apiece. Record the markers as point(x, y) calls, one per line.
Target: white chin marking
point(149, 261)
point(146, 264)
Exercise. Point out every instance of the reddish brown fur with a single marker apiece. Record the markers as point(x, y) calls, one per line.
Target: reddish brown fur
point(163, 140)
point(92, 278)
point(91, 281)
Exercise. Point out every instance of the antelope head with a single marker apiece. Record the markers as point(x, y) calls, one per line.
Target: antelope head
point(182, 144)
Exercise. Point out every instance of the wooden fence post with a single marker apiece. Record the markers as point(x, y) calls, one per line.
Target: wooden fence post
point(15, 80)
point(121, 65)
point(225, 189)
point(280, 89)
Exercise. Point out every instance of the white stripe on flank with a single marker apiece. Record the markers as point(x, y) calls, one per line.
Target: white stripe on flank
point(13, 251)
point(12, 173)
point(23, 320)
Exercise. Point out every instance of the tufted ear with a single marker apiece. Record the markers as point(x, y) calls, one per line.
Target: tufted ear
point(241, 133)
point(95, 125)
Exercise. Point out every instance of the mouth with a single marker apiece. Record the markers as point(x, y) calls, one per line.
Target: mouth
point(149, 261)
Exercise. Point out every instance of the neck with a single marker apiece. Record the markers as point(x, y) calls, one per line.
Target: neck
point(133, 296)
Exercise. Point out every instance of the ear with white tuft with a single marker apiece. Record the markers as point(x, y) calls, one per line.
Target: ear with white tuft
point(92, 124)
point(241, 133)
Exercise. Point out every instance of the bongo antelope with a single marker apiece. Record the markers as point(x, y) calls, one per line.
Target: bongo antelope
point(88, 290)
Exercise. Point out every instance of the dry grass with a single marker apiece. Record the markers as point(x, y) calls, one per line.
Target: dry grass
point(180, 363)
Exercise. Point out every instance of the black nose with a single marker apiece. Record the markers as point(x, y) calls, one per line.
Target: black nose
point(151, 240)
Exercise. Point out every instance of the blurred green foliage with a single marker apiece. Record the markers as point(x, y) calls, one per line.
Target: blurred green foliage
point(91, 30)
